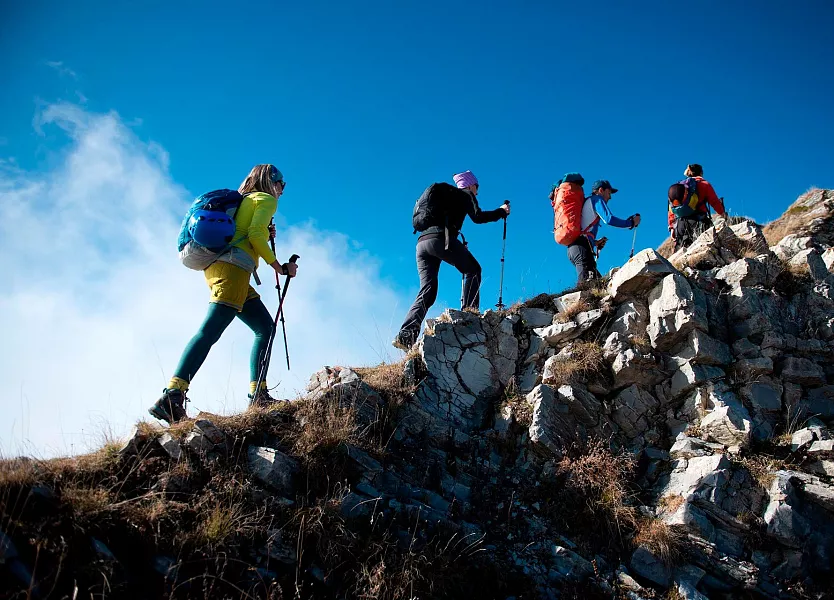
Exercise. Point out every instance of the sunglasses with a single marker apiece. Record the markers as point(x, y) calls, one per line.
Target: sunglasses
point(283, 184)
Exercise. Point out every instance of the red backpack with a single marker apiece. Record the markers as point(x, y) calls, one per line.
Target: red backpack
point(567, 201)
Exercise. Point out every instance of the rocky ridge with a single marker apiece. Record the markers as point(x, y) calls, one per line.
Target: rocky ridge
point(664, 432)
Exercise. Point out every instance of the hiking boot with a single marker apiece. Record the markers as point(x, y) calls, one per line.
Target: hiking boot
point(404, 341)
point(170, 407)
point(262, 399)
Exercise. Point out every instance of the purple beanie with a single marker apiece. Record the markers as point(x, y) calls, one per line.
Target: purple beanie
point(465, 179)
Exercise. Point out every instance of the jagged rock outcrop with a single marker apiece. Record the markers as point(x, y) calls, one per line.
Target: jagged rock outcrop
point(667, 430)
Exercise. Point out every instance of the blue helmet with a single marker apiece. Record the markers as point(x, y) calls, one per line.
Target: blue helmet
point(212, 229)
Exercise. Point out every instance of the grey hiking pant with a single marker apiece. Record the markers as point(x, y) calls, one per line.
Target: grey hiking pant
point(582, 256)
point(430, 253)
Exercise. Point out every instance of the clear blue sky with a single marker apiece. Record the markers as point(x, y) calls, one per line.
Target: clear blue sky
point(363, 104)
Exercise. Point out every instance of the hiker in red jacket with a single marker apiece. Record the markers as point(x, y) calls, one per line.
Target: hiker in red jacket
point(684, 228)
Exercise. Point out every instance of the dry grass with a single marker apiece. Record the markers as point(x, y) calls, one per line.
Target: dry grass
point(84, 500)
point(324, 423)
point(220, 522)
point(642, 343)
point(794, 220)
point(586, 359)
point(667, 248)
point(761, 468)
point(387, 377)
point(544, 301)
point(602, 478)
point(673, 594)
point(521, 409)
point(574, 309)
point(671, 503)
point(662, 540)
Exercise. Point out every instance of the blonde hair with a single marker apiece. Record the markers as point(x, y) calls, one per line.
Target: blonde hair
point(260, 180)
point(694, 170)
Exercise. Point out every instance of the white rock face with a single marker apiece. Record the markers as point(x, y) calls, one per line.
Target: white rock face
point(640, 274)
point(675, 310)
point(559, 333)
point(748, 272)
point(811, 261)
point(565, 301)
point(791, 245)
point(632, 409)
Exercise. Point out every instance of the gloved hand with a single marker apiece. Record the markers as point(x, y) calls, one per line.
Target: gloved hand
point(601, 243)
point(635, 220)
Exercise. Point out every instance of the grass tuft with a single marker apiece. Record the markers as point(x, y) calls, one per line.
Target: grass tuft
point(586, 359)
point(662, 540)
point(572, 310)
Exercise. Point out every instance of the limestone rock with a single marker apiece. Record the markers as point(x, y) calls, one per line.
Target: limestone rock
point(631, 409)
point(170, 445)
point(675, 310)
point(820, 402)
point(688, 376)
point(273, 468)
point(811, 261)
point(559, 333)
point(828, 259)
point(701, 349)
point(640, 274)
point(344, 387)
point(204, 437)
point(632, 366)
point(562, 417)
point(802, 371)
point(763, 395)
point(746, 272)
point(630, 319)
point(751, 238)
point(790, 245)
point(701, 476)
point(536, 317)
point(565, 301)
point(649, 566)
point(728, 425)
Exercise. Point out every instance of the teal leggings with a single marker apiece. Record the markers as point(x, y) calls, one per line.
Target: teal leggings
point(219, 316)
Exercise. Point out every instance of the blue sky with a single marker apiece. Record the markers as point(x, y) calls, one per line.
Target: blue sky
point(364, 104)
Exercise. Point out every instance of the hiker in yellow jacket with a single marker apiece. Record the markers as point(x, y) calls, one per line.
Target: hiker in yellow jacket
point(231, 294)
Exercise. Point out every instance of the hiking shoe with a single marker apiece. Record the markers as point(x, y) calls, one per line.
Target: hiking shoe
point(170, 407)
point(404, 341)
point(262, 399)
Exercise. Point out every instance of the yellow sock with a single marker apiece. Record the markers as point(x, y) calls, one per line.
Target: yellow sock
point(252, 385)
point(178, 384)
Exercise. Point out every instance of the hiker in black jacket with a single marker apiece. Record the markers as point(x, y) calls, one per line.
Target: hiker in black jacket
point(439, 216)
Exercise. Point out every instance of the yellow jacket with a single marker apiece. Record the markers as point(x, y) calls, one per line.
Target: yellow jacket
point(251, 225)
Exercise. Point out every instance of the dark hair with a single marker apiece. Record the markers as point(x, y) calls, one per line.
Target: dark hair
point(694, 170)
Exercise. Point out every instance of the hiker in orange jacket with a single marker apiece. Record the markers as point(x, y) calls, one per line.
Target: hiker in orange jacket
point(684, 230)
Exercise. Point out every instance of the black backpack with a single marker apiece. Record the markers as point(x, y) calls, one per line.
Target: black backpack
point(434, 206)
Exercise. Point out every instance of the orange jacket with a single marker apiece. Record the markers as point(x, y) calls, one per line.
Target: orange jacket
point(706, 193)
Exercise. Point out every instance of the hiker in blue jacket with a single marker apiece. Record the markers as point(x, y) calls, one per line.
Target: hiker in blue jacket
point(582, 253)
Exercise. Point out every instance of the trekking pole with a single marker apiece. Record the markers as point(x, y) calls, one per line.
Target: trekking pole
point(500, 305)
point(265, 359)
point(633, 241)
point(463, 276)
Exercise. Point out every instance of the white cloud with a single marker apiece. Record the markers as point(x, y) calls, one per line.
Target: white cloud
point(96, 307)
point(61, 68)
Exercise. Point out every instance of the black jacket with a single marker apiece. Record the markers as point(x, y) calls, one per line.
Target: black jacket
point(461, 203)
